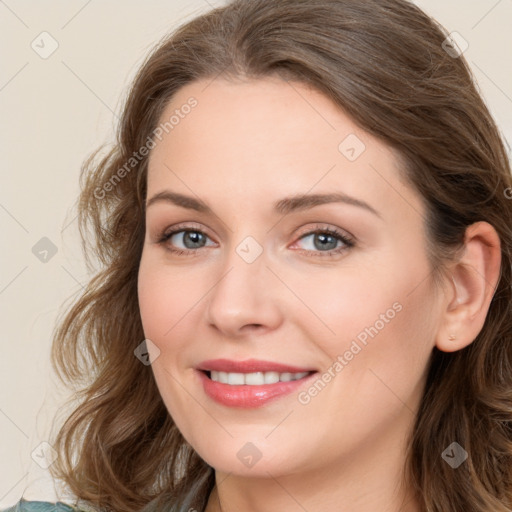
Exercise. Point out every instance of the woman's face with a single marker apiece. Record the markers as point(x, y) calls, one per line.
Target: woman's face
point(245, 277)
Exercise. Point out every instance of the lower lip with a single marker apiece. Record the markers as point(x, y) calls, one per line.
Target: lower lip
point(248, 396)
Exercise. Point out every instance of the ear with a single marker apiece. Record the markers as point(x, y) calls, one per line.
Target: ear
point(475, 277)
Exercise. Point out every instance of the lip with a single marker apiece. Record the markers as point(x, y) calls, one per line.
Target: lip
point(245, 396)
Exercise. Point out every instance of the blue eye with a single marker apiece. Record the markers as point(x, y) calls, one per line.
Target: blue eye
point(325, 241)
point(191, 239)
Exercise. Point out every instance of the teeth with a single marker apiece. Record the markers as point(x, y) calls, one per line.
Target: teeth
point(236, 378)
point(271, 377)
point(254, 379)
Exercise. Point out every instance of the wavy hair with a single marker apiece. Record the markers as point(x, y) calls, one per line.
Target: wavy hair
point(384, 63)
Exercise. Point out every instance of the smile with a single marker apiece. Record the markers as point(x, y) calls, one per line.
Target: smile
point(252, 382)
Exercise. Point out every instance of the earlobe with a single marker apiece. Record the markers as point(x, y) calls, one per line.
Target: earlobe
point(475, 277)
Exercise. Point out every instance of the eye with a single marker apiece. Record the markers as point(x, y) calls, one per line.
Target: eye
point(183, 241)
point(325, 242)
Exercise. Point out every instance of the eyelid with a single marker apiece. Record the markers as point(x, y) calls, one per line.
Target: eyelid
point(186, 226)
point(320, 227)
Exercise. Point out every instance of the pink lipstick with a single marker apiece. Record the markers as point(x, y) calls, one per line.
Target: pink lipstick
point(250, 383)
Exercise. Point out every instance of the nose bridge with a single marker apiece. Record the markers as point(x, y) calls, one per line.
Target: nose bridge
point(244, 293)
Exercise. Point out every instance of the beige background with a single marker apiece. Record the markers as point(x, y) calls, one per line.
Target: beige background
point(54, 112)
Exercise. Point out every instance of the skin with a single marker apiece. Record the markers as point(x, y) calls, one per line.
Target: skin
point(244, 146)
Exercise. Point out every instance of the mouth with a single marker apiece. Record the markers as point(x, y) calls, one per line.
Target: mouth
point(250, 383)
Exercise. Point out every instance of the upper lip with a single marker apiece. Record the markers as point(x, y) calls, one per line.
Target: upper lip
point(249, 366)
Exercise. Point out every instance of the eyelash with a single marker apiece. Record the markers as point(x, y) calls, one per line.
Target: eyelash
point(349, 243)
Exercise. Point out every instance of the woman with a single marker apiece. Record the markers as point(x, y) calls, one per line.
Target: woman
point(305, 299)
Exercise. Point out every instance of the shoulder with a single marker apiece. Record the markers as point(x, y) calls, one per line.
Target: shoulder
point(40, 506)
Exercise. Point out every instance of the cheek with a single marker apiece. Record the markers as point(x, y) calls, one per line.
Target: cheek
point(166, 299)
point(378, 356)
point(341, 306)
point(153, 302)
point(381, 321)
point(165, 303)
point(387, 348)
point(384, 295)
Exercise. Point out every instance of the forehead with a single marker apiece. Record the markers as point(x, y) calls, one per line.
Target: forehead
point(263, 139)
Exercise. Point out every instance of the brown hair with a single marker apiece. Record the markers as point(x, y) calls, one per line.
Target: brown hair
point(383, 63)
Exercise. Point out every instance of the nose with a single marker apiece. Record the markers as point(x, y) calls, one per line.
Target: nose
point(245, 298)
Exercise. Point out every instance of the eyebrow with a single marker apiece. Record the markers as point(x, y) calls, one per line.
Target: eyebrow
point(283, 206)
